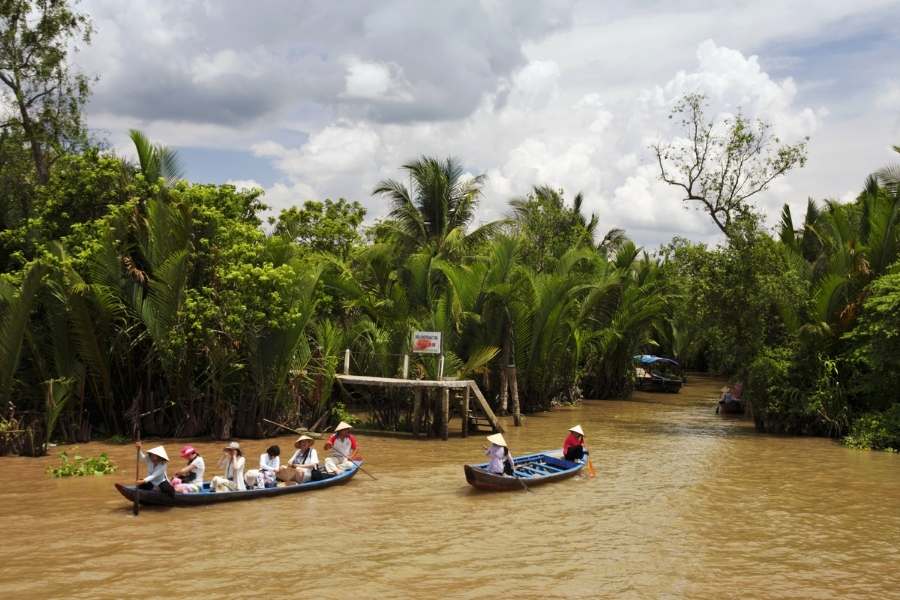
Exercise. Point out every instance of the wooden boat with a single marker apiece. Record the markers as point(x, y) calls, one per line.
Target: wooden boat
point(531, 469)
point(731, 407)
point(208, 497)
point(657, 374)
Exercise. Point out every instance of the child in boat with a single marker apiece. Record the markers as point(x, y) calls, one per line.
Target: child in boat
point(343, 448)
point(501, 462)
point(302, 463)
point(157, 461)
point(573, 446)
point(233, 461)
point(264, 476)
point(189, 479)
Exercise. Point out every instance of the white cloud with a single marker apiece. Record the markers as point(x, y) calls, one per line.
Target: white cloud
point(375, 81)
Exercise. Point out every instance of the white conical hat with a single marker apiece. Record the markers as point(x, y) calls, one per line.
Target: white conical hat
point(343, 425)
point(577, 429)
point(159, 451)
point(497, 438)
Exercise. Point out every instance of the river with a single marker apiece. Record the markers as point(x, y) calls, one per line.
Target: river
point(686, 504)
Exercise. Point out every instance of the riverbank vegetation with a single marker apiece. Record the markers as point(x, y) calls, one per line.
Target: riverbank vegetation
point(126, 288)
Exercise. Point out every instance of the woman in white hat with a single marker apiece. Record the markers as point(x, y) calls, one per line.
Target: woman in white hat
point(233, 462)
point(573, 447)
point(302, 463)
point(157, 461)
point(501, 462)
point(343, 448)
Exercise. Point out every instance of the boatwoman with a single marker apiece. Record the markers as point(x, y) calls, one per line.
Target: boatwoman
point(157, 461)
point(343, 448)
point(233, 461)
point(501, 462)
point(573, 446)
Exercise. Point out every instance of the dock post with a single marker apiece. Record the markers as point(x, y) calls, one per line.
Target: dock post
point(417, 411)
point(445, 413)
point(347, 361)
point(465, 413)
point(441, 368)
point(514, 384)
point(406, 366)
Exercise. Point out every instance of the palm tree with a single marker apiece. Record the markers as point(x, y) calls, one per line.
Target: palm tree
point(436, 208)
point(155, 160)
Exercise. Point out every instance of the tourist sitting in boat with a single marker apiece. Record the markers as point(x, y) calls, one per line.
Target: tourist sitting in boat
point(189, 479)
point(302, 463)
point(264, 476)
point(573, 446)
point(343, 448)
point(157, 461)
point(233, 462)
point(501, 462)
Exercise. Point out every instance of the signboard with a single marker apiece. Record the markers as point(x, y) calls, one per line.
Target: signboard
point(426, 342)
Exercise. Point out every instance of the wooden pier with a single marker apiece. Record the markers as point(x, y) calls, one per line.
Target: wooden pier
point(463, 388)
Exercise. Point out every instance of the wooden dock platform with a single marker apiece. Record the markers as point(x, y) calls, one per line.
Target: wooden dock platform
point(467, 386)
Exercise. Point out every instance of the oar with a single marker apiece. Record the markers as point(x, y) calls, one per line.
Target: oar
point(136, 508)
point(358, 466)
point(519, 479)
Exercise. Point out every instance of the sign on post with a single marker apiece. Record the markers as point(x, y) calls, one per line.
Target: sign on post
point(426, 342)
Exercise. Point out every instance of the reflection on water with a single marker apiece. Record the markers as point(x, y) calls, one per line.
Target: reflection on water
point(685, 504)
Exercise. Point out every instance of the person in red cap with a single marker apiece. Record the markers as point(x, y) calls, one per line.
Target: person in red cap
point(190, 477)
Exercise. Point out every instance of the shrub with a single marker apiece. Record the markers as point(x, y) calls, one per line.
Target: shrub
point(80, 466)
point(876, 430)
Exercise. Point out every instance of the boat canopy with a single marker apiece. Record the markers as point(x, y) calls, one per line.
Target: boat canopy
point(649, 359)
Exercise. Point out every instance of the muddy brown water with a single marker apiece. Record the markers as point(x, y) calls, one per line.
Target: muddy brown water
point(686, 504)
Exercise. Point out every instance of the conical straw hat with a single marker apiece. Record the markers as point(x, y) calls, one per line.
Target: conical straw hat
point(302, 438)
point(497, 438)
point(577, 429)
point(343, 425)
point(159, 451)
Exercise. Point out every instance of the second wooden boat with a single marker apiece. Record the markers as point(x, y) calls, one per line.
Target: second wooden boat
point(530, 469)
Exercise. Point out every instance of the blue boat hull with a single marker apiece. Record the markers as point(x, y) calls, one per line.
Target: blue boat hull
point(530, 469)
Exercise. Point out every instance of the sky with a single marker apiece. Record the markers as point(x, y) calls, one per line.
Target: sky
point(313, 100)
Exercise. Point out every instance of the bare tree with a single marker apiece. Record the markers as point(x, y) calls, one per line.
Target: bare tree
point(722, 166)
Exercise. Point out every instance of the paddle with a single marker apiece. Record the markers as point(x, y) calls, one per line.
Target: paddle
point(297, 431)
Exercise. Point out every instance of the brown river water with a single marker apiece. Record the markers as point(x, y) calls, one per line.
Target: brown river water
point(686, 504)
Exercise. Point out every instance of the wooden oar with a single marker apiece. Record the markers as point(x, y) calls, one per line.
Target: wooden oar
point(519, 479)
point(358, 466)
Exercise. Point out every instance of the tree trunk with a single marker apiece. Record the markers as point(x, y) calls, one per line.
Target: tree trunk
point(514, 384)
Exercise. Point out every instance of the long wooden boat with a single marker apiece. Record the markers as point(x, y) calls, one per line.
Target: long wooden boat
point(530, 469)
point(208, 497)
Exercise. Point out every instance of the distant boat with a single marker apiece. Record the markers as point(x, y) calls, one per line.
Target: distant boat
point(657, 373)
point(208, 497)
point(530, 469)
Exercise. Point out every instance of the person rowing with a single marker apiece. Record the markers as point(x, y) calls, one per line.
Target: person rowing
point(501, 462)
point(343, 448)
point(573, 446)
point(157, 461)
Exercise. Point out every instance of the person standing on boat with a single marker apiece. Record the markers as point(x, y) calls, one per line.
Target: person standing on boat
point(190, 477)
point(573, 447)
point(264, 476)
point(343, 448)
point(501, 462)
point(157, 461)
point(233, 462)
point(302, 463)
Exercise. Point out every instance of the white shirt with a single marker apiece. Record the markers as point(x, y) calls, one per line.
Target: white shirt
point(342, 449)
point(198, 467)
point(234, 471)
point(269, 463)
point(498, 455)
point(156, 474)
point(311, 459)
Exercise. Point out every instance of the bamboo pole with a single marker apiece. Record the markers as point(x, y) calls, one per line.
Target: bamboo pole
point(465, 413)
point(417, 411)
point(347, 361)
point(445, 413)
point(514, 383)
